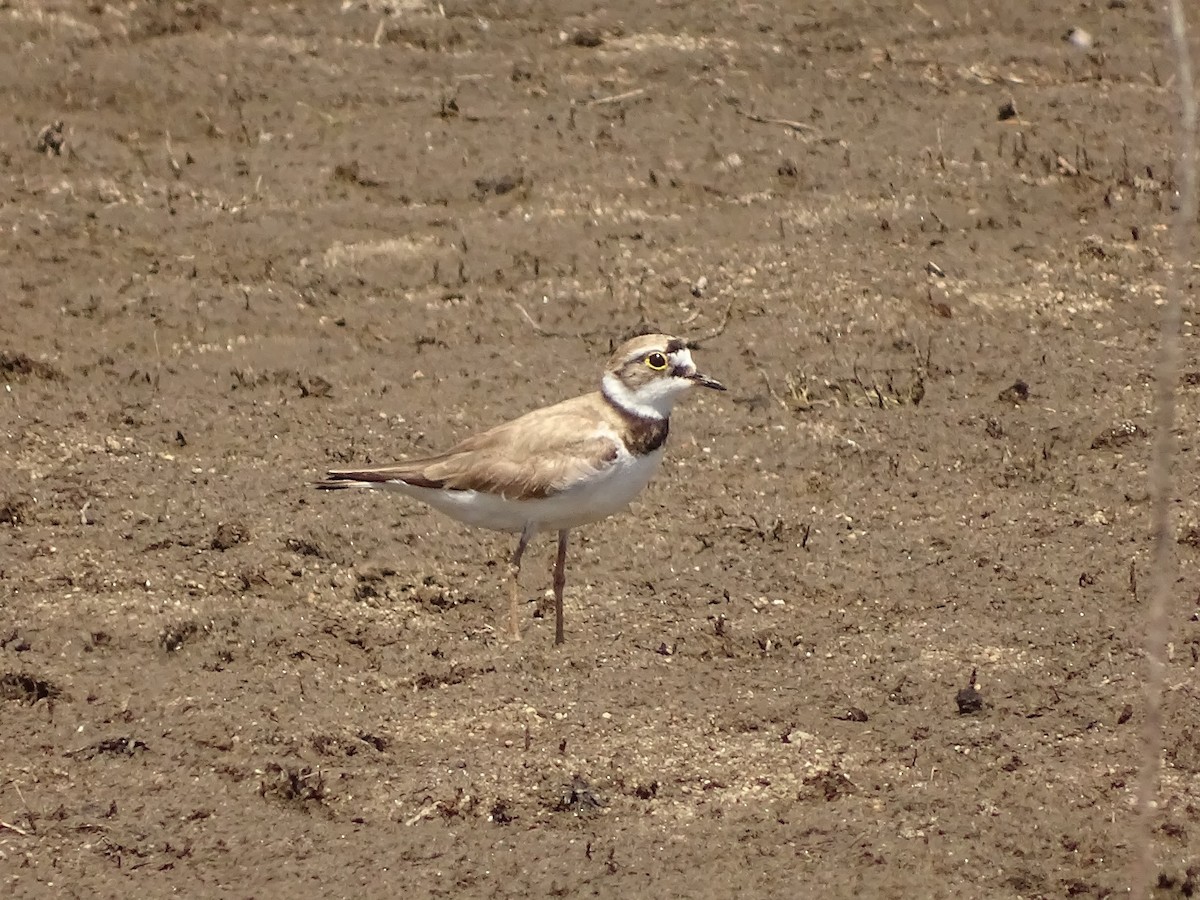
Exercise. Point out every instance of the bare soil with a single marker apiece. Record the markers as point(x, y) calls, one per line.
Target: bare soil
point(924, 244)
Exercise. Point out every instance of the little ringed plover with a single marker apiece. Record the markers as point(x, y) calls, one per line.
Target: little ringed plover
point(557, 467)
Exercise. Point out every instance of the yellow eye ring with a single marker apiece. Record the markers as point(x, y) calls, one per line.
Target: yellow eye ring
point(656, 361)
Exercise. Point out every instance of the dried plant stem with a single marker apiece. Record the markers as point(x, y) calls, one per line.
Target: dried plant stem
point(1162, 572)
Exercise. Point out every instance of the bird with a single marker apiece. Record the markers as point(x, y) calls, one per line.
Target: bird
point(558, 467)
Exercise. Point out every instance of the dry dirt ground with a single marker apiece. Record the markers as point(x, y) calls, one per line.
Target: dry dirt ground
point(926, 248)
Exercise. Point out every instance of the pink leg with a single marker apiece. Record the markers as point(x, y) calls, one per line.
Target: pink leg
point(514, 578)
point(560, 582)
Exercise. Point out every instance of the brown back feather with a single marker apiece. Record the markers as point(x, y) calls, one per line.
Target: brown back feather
point(534, 456)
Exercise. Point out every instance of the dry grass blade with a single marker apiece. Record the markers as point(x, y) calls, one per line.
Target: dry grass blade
point(1162, 570)
point(802, 127)
point(617, 98)
point(718, 329)
point(542, 331)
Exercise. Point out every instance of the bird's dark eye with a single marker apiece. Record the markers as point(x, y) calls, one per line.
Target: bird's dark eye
point(656, 361)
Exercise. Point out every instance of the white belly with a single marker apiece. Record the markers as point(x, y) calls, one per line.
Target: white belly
point(608, 492)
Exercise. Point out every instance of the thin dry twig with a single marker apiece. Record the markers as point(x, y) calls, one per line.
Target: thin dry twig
point(423, 813)
point(786, 123)
point(771, 388)
point(172, 162)
point(719, 328)
point(543, 331)
point(28, 812)
point(533, 323)
point(1162, 569)
point(11, 827)
point(617, 98)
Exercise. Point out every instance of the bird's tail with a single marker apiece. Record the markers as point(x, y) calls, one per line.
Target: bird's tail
point(394, 477)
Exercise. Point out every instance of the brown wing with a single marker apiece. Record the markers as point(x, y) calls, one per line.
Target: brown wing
point(537, 455)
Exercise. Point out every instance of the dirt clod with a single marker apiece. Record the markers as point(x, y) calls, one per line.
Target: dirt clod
point(969, 700)
point(1120, 435)
point(499, 813)
point(118, 746)
point(578, 798)
point(1016, 393)
point(854, 714)
point(175, 636)
point(15, 510)
point(828, 786)
point(20, 366)
point(292, 785)
point(51, 139)
point(587, 37)
point(229, 535)
point(498, 186)
point(28, 689)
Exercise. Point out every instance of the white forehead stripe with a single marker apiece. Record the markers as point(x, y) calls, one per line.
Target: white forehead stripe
point(682, 359)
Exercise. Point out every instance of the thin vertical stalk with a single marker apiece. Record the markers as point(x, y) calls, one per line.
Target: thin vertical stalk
point(1162, 574)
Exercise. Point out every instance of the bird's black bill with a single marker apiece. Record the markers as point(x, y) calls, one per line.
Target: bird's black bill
point(705, 381)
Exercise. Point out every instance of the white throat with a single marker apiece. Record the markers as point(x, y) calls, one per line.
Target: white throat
point(653, 401)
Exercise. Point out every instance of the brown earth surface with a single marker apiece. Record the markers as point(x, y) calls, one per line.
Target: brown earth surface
point(924, 244)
